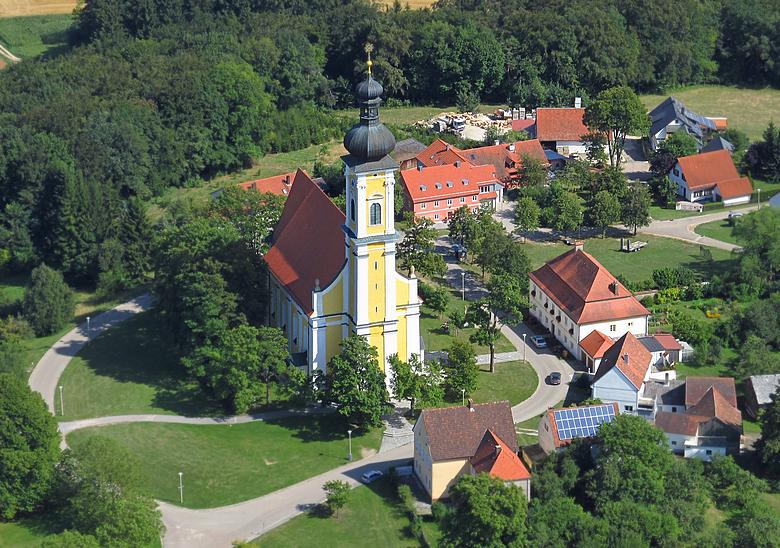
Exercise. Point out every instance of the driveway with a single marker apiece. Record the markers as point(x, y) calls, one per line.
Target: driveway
point(542, 360)
point(683, 229)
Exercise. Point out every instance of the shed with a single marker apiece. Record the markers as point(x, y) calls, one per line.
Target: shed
point(758, 392)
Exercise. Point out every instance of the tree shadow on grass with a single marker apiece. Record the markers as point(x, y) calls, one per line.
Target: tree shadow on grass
point(320, 428)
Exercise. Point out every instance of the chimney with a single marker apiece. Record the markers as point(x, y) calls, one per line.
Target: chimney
point(498, 449)
point(470, 405)
point(316, 284)
point(613, 287)
point(579, 245)
point(666, 379)
point(511, 147)
point(419, 166)
point(578, 102)
point(457, 163)
point(625, 358)
point(447, 147)
point(496, 142)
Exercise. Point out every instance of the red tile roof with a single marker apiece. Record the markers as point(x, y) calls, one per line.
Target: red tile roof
point(677, 423)
point(522, 125)
point(733, 188)
point(585, 290)
point(705, 170)
point(721, 122)
point(595, 344)
point(630, 357)
point(714, 404)
point(496, 458)
point(668, 341)
point(440, 153)
point(456, 432)
point(308, 242)
point(697, 387)
point(278, 184)
point(560, 124)
point(506, 158)
point(446, 181)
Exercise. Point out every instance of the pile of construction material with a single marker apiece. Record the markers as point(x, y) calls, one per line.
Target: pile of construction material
point(456, 123)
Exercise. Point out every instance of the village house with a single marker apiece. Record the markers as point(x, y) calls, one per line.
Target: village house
point(672, 115)
point(710, 176)
point(477, 438)
point(559, 427)
point(561, 130)
point(718, 143)
point(622, 373)
point(759, 390)
point(574, 295)
point(698, 415)
point(437, 192)
point(278, 184)
point(405, 153)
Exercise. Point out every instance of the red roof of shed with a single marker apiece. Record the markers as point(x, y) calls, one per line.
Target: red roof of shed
point(278, 184)
point(595, 344)
point(308, 242)
point(733, 188)
point(560, 124)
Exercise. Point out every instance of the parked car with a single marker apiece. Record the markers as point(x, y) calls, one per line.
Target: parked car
point(555, 378)
point(539, 341)
point(371, 476)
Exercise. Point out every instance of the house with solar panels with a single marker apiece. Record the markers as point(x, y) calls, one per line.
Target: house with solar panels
point(671, 116)
point(559, 427)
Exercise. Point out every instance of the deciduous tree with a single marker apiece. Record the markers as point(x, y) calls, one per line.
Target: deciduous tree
point(604, 211)
point(48, 302)
point(337, 493)
point(461, 370)
point(616, 113)
point(636, 207)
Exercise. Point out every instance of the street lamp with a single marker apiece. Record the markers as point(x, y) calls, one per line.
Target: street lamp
point(759, 198)
point(87, 324)
point(181, 488)
point(349, 433)
point(463, 285)
point(463, 396)
point(524, 346)
point(62, 403)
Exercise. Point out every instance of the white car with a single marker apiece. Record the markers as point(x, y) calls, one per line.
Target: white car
point(371, 476)
point(539, 341)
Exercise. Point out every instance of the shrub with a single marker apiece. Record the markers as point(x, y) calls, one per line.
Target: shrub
point(48, 302)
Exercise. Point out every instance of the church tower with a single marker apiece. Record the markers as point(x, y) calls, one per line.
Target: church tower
point(378, 299)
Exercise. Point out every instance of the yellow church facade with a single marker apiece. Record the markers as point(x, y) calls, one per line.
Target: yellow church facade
point(334, 274)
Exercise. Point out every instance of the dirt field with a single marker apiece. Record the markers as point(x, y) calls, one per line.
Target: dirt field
point(16, 8)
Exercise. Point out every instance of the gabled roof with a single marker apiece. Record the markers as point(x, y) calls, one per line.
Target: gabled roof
point(671, 393)
point(706, 170)
point(456, 432)
point(672, 109)
point(506, 158)
point(406, 149)
point(697, 387)
point(733, 188)
point(560, 124)
point(446, 181)
point(581, 421)
point(677, 423)
point(595, 344)
point(278, 184)
point(496, 458)
point(585, 290)
point(308, 242)
point(523, 125)
point(667, 341)
point(440, 153)
point(764, 386)
point(630, 357)
point(718, 143)
point(714, 404)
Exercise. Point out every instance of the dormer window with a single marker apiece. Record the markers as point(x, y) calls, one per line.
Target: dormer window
point(449, 184)
point(438, 185)
point(423, 188)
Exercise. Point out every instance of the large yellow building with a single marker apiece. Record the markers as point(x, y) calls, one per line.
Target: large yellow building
point(333, 274)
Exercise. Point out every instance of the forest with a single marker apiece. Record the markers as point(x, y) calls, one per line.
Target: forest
point(158, 94)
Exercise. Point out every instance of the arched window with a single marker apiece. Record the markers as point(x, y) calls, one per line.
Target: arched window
point(352, 210)
point(376, 214)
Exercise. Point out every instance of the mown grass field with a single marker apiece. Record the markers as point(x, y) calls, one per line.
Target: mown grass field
point(131, 369)
point(25, 533)
point(32, 36)
point(226, 464)
point(371, 517)
point(512, 381)
point(637, 266)
point(748, 110)
point(720, 230)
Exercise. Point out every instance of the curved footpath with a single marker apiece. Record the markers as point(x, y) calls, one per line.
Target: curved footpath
point(684, 228)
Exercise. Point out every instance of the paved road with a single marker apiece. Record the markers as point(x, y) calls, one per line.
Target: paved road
point(219, 527)
point(542, 361)
point(46, 374)
point(683, 229)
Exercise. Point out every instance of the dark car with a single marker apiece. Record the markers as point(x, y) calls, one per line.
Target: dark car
point(555, 378)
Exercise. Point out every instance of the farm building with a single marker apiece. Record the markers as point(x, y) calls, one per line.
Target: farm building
point(561, 130)
point(710, 176)
point(671, 116)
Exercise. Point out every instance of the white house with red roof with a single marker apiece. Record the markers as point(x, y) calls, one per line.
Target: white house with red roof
point(561, 129)
point(333, 275)
point(436, 192)
point(621, 376)
point(574, 295)
point(710, 176)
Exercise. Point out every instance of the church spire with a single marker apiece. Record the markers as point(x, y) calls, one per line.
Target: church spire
point(369, 140)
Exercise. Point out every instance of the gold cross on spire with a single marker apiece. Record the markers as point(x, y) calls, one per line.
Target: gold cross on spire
point(368, 49)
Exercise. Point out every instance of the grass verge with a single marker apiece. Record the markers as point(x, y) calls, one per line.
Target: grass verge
point(35, 35)
point(226, 464)
point(719, 230)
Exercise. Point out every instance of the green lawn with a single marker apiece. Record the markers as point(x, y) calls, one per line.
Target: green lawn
point(24, 533)
point(748, 110)
point(131, 369)
point(372, 517)
point(513, 381)
point(665, 214)
point(34, 35)
point(12, 287)
point(637, 266)
point(720, 230)
point(225, 464)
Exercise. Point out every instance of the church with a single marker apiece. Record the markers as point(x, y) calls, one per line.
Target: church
point(333, 275)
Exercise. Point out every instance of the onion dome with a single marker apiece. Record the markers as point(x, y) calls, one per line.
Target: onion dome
point(369, 140)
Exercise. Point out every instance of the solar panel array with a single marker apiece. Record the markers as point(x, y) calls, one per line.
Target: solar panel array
point(582, 422)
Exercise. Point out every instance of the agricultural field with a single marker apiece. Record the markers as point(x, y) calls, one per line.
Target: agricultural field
point(32, 36)
point(22, 8)
point(748, 110)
